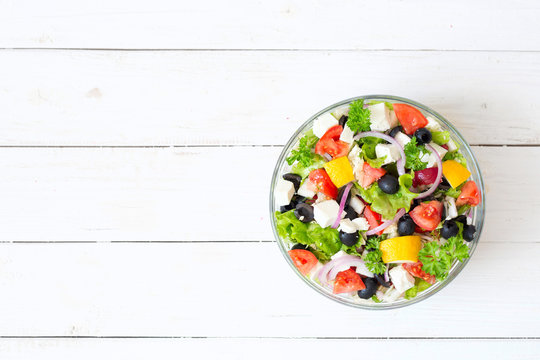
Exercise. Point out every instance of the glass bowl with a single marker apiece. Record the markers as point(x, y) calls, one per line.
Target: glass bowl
point(477, 212)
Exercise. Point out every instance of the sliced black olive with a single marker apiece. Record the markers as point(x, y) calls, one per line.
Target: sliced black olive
point(343, 119)
point(462, 219)
point(395, 130)
point(300, 247)
point(350, 213)
point(468, 232)
point(388, 184)
point(380, 280)
point(348, 239)
point(423, 136)
point(304, 212)
point(405, 225)
point(449, 229)
point(371, 288)
point(285, 208)
point(294, 178)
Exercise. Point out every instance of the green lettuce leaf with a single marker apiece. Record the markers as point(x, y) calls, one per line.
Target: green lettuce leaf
point(457, 156)
point(440, 137)
point(291, 229)
point(368, 145)
point(388, 204)
point(419, 286)
point(299, 168)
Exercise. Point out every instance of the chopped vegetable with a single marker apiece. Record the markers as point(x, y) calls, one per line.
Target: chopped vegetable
point(359, 118)
point(414, 154)
point(440, 137)
point(373, 258)
point(304, 154)
point(455, 173)
point(340, 171)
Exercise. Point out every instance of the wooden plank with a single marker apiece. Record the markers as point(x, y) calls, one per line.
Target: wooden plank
point(198, 194)
point(222, 98)
point(243, 290)
point(283, 24)
point(134, 349)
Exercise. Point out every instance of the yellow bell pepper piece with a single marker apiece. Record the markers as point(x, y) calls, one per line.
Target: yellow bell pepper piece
point(400, 249)
point(455, 173)
point(340, 171)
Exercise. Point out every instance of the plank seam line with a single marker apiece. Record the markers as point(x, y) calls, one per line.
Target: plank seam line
point(199, 146)
point(185, 242)
point(265, 50)
point(277, 337)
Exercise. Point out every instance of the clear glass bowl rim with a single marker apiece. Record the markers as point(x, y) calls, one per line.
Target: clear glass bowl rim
point(478, 215)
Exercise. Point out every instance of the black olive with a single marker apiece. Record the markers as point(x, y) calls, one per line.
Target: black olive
point(388, 184)
point(294, 178)
point(350, 213)
point(445, 183)
point(300, 247)
point(343, 119)
point(340, 195)
point(304, 212)
point(380, 279)
point(423, 136)
point(371, 288)
point(348, 239)
point(285, 208)
point(449, 229)
point(462, 219)
point(395, 130)
point(297, 199)
point(468, 232)
point(405, 225)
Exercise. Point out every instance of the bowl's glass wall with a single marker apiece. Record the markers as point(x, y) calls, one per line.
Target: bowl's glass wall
point(477, 214)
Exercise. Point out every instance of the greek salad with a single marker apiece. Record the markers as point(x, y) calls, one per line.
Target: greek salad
point(376, 202)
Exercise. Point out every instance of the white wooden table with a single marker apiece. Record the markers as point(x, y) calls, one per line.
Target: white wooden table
point(137, 143)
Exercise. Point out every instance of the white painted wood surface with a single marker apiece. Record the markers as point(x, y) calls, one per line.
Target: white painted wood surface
point(158, 245)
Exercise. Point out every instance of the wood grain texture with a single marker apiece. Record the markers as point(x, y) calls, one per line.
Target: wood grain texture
point(165, 349)
point(243, 290)
point(235, 98)
point(198, 194)
point(282, 24)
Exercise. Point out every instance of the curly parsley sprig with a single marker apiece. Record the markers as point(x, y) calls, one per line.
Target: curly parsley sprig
point(359, 118)
point(303, 153)
point(373, 258)
point(413, 154)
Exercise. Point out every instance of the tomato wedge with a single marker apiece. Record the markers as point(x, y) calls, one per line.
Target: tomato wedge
point(373, 219)
point(322, 182)
point(304, 260)
point(410, 118)
point(330, 144)
point(469, 194)
point(348, 281)
point(415, 269)
point(370, 174)
point(427, 215)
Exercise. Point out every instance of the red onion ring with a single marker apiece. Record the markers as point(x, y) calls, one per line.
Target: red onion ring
point(391, 140)
point(345, 259)
point(387, 223)
point(435, 184)
point(342, 204)
point(347, 262)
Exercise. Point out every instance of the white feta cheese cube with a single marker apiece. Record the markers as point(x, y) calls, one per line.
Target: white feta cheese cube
point(339, 254)
point(388, 150)
point(402, 139)
point(283, 192)
point(304, 189)
point(323, 123)
point(432, 159)
point(450, 206)
point(401, 279)
point(451, 145)
point(391, 231)
point(347, 135)
point(361, 223)
point(346, 225)
point(356, 204)
point(326, 212)
point(433, 124)
point(393, 119)
point(357, 161)
point(380, 117)
point(340, 111)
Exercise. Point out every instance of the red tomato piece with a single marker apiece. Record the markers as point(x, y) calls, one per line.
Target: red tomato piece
point(304, 260)
point(425, 177)
point(370, 174)
point(415, 269)
point(348, 281)
point(322, 182)
point(469, 194)
point(444, 146)
point(410, 118)
point(373, 219)
point(427, 215)
point(330, 144)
